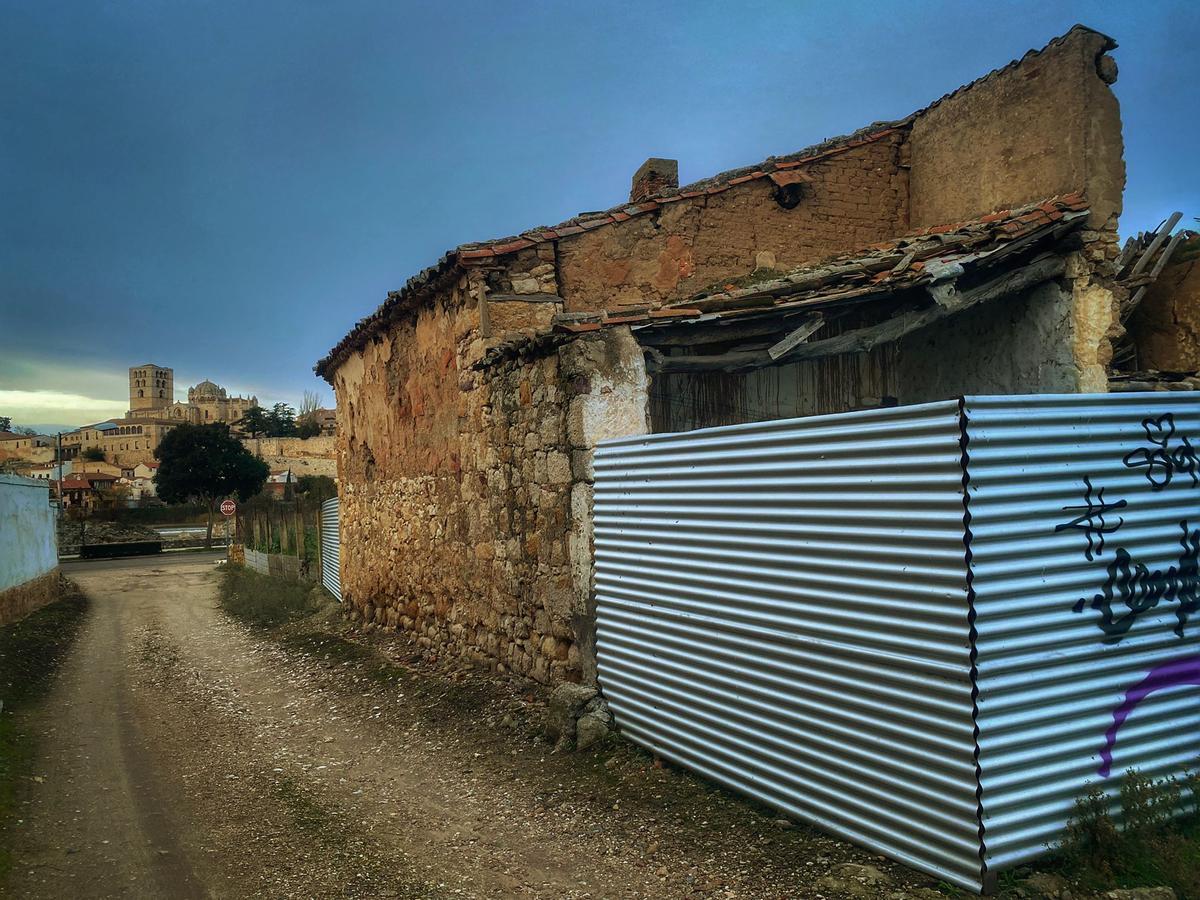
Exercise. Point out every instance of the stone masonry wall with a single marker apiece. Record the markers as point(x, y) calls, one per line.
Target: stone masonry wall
point(856, 197)
point(1166, 324)
point(304, 456)
point(462, 515)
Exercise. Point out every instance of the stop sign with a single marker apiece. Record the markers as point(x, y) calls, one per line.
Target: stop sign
point(228, 507)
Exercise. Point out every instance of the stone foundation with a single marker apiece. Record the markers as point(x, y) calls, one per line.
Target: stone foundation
point(18, 602)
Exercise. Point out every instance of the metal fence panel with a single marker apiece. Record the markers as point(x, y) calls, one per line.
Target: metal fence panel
point(257, 561)
point(331, 570)
point(782, 608)
point(1088, 664)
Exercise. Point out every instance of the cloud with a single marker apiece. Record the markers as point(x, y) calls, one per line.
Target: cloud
point(58, 406)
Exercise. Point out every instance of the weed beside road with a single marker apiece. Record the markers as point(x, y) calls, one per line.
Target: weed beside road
point(30, 652)
point(262, 600)
point(1156, 844)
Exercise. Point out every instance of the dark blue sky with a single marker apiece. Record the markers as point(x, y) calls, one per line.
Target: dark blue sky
point(226, 188)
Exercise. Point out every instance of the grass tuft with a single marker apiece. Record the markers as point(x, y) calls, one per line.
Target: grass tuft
point(30, 652)
point(263, 600)
point(1156, 843)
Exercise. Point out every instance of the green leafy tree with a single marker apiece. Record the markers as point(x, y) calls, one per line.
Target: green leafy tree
point(5, 423)
point(255, 421)
point(316, 487)
point(282, 419)
point(205, 464)
point(93, 454)
point(307, 427)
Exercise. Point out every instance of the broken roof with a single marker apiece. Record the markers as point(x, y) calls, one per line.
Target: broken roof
point(772, 167)
point(921, 258)
point(798, 304)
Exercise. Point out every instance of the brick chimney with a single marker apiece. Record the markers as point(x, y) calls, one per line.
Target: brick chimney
point(655, 176)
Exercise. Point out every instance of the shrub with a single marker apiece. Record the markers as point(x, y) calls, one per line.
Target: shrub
point(1156, 843)
point(263, 600)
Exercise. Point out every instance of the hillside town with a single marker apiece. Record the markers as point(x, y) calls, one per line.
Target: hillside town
point(825, 527)
point(113, 462)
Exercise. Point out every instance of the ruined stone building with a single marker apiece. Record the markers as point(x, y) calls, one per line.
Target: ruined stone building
point(970, 247)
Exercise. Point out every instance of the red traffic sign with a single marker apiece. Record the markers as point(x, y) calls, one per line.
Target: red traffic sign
point(228, 507)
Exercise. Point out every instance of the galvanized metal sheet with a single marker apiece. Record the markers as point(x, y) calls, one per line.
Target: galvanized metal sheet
point(782, 608)
point(331, 569)
point(258, 562)
point(1082, 654)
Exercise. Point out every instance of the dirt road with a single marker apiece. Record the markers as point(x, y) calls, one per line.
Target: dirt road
point(184, 755)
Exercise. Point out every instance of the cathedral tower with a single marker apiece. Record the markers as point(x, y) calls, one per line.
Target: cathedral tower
point(150, 387)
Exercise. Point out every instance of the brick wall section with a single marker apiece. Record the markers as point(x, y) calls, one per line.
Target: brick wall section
point(855, 198)
point(304, 456)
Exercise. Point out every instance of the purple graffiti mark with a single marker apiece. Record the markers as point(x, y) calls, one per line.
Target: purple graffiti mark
point(1177, 673)
point(1091, 521)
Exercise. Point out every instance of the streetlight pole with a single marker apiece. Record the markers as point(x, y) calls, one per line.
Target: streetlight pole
point(58, 472)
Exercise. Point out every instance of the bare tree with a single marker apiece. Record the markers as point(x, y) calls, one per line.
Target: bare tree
point(310, 404)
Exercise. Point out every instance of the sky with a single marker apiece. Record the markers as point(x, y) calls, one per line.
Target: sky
point(226, 188)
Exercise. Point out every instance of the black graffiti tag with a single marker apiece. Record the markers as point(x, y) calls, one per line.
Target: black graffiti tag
point(1091, 521)
point(1162, 460)
point(1138, 589)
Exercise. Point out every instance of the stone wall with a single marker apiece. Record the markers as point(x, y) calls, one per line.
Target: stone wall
point(1166, 325)
point(856, 197)
point(465, 513)
point(1046, 125)
point(1017, 345)
point(304, 456)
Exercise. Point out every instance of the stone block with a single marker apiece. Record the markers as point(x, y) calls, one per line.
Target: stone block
point(566, 701)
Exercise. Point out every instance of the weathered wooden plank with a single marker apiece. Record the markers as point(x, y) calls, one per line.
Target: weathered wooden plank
point(864, 339)
point(803, 333)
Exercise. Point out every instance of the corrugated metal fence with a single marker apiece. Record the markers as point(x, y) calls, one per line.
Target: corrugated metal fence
point(331, 571)
point(1085, 526)
point(803, 611)
point(781, 607)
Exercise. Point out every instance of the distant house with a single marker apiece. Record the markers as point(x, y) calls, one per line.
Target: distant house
point(82, 466)
point(141, 481)
point(35, 448)
point(280, 484)
point(327, 420)
point(50, 471)
point(90, 490)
